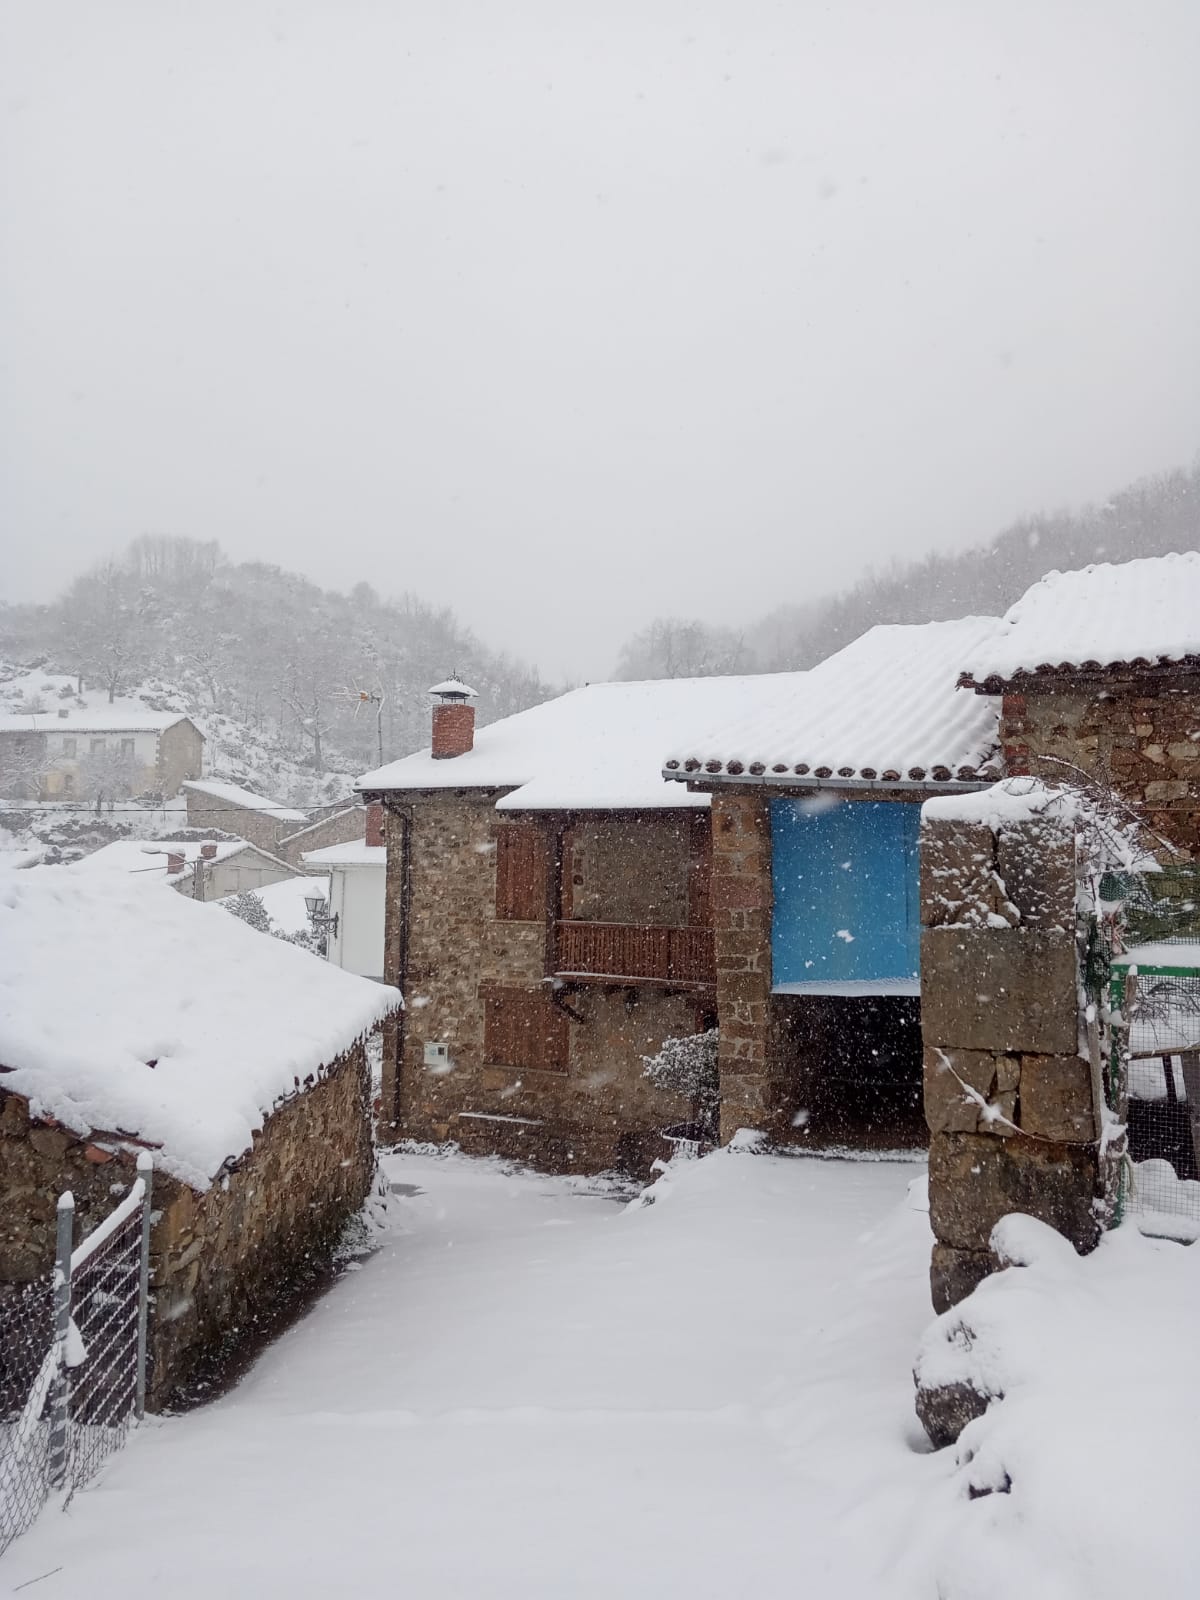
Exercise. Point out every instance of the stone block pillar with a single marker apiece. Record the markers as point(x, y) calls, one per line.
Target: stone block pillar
point(741, 913)
point(1013, 1097)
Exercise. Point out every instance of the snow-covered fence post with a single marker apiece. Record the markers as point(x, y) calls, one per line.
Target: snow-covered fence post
point(1014, 1095)
point(145, 1167)
point(60, 1393)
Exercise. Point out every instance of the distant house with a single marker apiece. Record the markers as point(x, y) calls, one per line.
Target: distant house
point(198, 868)
point(548, 908)
point(103, 753)
point(136, 1021)
point(357, 891)
point(213, 804)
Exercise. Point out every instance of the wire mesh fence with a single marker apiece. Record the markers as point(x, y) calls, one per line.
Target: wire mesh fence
point(1157, 988)
point(26, 1342)
point(73, 1359)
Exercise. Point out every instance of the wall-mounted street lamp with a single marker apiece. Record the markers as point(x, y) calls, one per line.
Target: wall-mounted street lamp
point(321, 921)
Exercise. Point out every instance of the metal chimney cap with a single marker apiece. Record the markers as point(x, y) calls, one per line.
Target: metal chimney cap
point(454, 689)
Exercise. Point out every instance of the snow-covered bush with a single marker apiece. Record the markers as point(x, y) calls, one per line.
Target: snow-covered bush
point(250, 908)
point(688, 1066)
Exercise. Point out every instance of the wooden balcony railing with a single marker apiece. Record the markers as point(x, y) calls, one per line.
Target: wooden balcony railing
point(646, 955)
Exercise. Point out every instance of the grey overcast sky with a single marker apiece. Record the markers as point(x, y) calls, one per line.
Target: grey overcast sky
point(570, 314)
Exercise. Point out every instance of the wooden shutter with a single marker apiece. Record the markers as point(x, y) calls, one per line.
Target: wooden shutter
point(524, 1028)
point(520, 873)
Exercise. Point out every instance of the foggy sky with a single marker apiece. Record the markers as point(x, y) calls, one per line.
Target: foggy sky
point(573, 314)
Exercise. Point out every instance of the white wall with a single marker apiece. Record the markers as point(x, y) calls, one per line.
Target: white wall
point(356, 895)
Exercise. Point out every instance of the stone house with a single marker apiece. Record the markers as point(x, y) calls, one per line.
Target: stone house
point(133, 1021)
point(1097, 674)
point(69, 753)
point(548, 909)
point(201, 869)
point(216, 806)
point(1092, 675)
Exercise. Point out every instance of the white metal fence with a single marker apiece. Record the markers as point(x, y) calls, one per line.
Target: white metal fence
point(73, 1358)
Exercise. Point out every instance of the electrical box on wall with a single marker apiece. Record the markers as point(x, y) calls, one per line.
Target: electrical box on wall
point(437, 1056)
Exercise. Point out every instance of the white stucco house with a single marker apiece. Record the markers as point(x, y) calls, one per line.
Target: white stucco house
point(357, 878)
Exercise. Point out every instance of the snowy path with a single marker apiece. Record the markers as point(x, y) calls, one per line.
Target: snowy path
point(531, 1391)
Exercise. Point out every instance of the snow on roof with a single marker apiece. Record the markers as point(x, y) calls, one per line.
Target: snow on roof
point(100, 979)
point(1137, 613)
point(883, 709)
point(455, 686)
point(244, 797)
point(101, 719)
point(147, 859)
point(596, 748)
point(356, 853)
point(284, 901)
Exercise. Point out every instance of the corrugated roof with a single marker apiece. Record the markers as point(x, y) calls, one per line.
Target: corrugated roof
point(885, 709)
point(1132, 614)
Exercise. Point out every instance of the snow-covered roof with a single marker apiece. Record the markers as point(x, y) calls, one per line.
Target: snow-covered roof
point(356, 853)
point(100, 979)
point(101, 719)
point(883, 710)
point(596, 748)
point(147, 859)
point(1133, 614)
point(284, 901)
point(243, 797)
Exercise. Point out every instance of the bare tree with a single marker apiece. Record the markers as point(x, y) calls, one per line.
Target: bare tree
point(673, 647)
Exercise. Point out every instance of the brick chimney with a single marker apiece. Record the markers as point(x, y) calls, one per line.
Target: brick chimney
point(208, 851)
point(175, 861)
point(374, 830)
point(453, 719)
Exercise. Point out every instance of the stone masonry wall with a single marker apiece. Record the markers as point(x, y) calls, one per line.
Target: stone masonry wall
point(205, 811)
point(751, 1096)
point(1140, 735)
point(1008, 1098)
point(221, 1259)
point(599, 1109)
point(180, 756)
point(343, 827)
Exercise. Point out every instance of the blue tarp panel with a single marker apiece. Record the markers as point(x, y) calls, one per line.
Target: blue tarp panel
point(846, 917)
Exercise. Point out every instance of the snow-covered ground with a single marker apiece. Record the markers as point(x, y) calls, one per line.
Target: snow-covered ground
point(536, 1390)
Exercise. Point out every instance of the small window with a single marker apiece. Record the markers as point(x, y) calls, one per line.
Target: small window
point(68, 747)
point(68, 783)
point(520, 873)
point(524, 1028)
point(98, 747)
point(127, 748)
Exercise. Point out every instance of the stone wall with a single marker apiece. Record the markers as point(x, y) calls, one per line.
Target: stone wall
point(180, 756)
point(210, 811)
point(1141, 735)
point(595, 1109)
point(1014, 1110)
point(753, 1094)
point(220, 1259)
point(343, 827)
point(629, 868)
